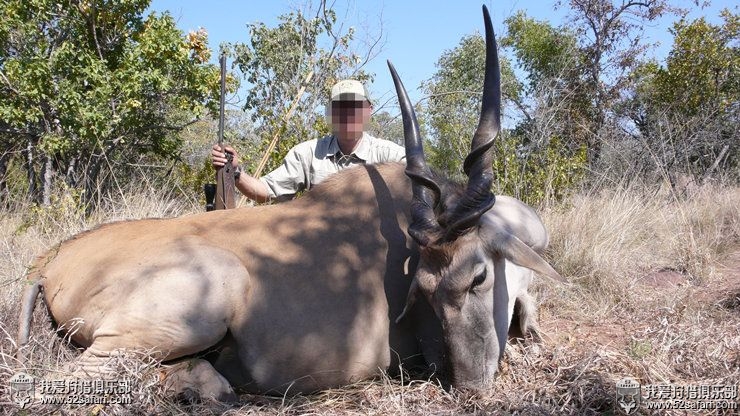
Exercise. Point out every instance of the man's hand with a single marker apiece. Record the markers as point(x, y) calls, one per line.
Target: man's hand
point(218, 157)
point(251, 187)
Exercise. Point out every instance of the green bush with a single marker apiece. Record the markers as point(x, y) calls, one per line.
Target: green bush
point(544, 175)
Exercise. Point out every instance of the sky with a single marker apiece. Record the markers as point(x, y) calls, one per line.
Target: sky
point(414, 33)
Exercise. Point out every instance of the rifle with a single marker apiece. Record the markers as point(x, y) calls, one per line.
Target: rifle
point(223, 190)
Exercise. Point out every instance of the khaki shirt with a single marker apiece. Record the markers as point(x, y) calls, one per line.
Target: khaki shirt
point(309, 163)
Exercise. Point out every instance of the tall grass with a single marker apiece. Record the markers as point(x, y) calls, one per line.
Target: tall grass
point(608, 240)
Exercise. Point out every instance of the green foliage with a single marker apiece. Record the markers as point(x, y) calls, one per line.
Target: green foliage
point(531, 168)
point(558, 101)
point(276, 63)
point(386, 126)
point(703, 69)
point(687, 110)
point(66, 206)
point(543, 51)
point(454, 101)
point(192, 178)
point(93, 85)
point(609, 35)
point(544, 176)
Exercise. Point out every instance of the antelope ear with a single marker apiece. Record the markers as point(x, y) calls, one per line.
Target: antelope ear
point(410, 299)
point(522, 255)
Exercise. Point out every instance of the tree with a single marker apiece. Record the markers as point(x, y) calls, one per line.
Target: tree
point(542, 50)
point(454, 101)
point(702, 70)
point(533, 170)
point(277, 62)
point(554, 102)
point(89, 85)
point(687, 111)
point(610, 40)
point(387, 126)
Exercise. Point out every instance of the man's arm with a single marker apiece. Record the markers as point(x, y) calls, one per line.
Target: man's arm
point(252, 188)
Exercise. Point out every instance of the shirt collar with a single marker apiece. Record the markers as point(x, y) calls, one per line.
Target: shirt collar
point(362, 151)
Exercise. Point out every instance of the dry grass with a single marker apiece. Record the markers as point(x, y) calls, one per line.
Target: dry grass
point(655, 294)
point(607, 243)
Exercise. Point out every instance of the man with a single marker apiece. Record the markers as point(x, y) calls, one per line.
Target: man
point(309, 163)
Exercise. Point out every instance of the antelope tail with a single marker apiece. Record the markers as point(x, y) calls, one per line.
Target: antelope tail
point(28, 304)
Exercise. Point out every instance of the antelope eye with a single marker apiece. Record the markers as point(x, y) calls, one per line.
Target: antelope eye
point(479, 279)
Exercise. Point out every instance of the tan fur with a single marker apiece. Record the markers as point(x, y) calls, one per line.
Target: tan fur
point(301, 285)
point(294, 297)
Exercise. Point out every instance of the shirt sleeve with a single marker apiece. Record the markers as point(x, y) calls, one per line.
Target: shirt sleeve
point(393, 153)
point(397, 154)
point(288, 178)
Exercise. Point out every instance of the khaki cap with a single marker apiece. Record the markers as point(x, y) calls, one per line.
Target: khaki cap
point(349, 90)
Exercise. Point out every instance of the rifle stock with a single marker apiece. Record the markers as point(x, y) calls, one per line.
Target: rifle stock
point(225, 185)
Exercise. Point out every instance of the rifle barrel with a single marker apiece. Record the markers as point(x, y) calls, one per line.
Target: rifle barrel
point(222, 62)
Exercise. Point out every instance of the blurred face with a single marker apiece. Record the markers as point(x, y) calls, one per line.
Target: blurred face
point(348, 118)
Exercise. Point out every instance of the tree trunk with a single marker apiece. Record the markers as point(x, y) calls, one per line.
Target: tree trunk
point(71, 176)
point(47, 184)
point(710, 171)
point(92, 174)
point(91, 182)
point(31, 172)
point(4, 193)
